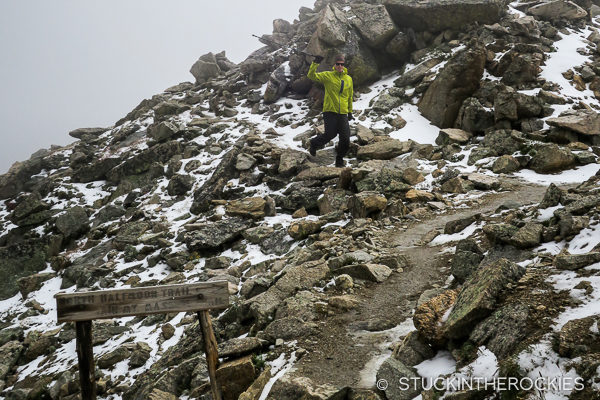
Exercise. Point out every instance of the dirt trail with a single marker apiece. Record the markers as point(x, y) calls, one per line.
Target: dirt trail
point(351, 345)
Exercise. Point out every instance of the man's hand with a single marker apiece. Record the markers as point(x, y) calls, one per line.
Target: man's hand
point(318, 59)
point(350, 117)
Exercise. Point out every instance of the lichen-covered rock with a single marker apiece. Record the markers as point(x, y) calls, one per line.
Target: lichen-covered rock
point(429, 316)
point(505, 165)
point(586, 122)
point(477, 299)
point(205, 68)
point(530, 235)
point(180, 184)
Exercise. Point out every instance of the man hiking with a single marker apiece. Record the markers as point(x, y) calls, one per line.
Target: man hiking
point(337, 106)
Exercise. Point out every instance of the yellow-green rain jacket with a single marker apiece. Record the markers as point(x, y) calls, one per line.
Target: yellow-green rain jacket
point(338, 89)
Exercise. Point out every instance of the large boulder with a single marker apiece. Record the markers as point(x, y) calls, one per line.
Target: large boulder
point(558, 9)
point(332, 26)
point(209, 235)
point(250, 207)
point(20, 260)
point(394, 372)
point(205, 68)
point(455, 83)
point(374, 24)
point(435, 15)
point(579, 337)
point(384, 150)
point(73, 223)
point(363, 204)
point(586, 122)
point(478, 297)
point(551, 158)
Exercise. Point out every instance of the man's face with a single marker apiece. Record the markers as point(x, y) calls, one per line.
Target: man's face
point(339, 66)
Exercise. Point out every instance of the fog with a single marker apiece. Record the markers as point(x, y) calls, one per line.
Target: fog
point(70, 64)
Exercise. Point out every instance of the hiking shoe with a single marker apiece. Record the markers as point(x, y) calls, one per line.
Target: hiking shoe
point(312, 150)
point(339, 162)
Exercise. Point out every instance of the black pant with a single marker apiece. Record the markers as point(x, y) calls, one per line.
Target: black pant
point(334, 123)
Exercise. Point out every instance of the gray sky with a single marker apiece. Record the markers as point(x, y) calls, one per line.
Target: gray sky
point(68, 64)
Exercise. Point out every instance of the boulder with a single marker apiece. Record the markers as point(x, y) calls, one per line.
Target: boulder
point(108, 360)
point(290, 386)
point(394, 372)
point(384, 150)
point(289, 161)
point(235, 377)
point(20, 260)
point(250, 207)
point(212, 235)
point(82, 133)
point(413, 350)
point(505, 165)
point(363, 204)
point(367, 272)
point(319, 173)
point(416, 74)
point(559, 9)
point(551, 158)
point(244, 162)
point(419, 195)
point(255, 390)
point(33, 282)
point(452, 135)
point(428, 317)
point(9, 354)
point(483, 182)
point(585, 122)
point(399, 47)
point(474, 117)
point(575, 261)
point(504, 330)
point(238, 347)
point(386, 102)
point(332, 200)
point(436, 16)
point(180, 184)
point(205, 68)
point(478, 297)
point(374, 24)
point(302, 229)
point(457, 81)
point(502, 142)
point(530, 235)
point(332, 29)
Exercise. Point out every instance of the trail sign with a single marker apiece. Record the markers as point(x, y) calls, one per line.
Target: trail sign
point(83, 307)
point(106, 304)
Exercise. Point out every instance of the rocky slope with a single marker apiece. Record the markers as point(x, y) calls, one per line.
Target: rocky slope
point(462, 241)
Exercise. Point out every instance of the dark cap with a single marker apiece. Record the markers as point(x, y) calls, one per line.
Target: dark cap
point(340, 57)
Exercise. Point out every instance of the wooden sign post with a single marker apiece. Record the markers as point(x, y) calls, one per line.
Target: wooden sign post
point(83, 307)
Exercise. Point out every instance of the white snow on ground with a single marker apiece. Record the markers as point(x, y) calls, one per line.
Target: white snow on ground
point(586, 240)
point(455, 237)
point(386, 339)
point(547, 213)
point(279, 367)
point(565, 58)
point(418, 128)
point(590, 305)
point(576, 175)
point(441, 364)
point(542, 365)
